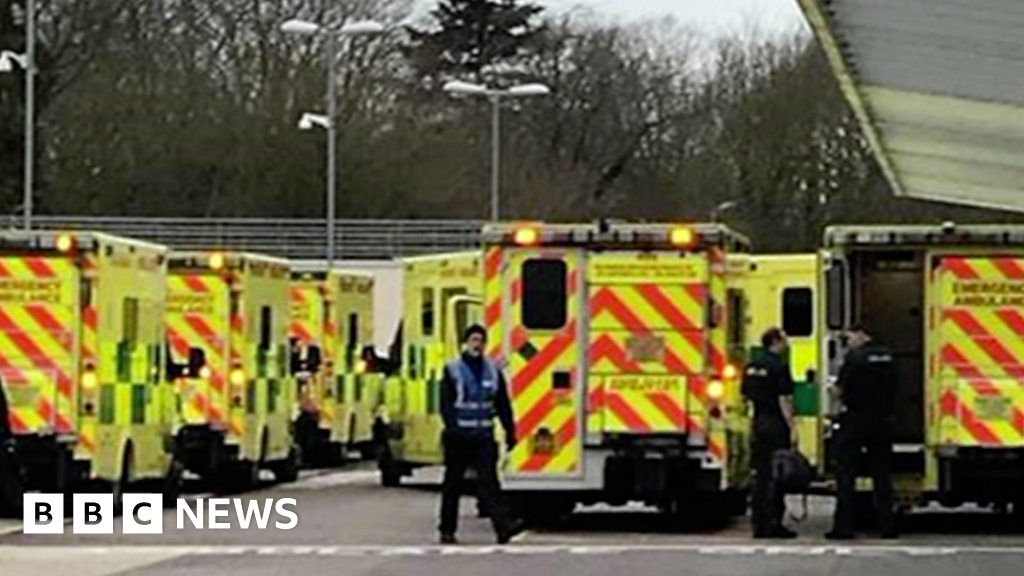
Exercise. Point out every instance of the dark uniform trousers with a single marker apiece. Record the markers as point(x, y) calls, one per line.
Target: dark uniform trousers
point(768, 505)
point(874, 439)
point(480, 452)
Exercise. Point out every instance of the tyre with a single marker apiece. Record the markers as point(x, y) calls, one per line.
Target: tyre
point(172, 482)
point(368, 451)
point(12, 489)
point(287, 470)
point(119, 487)
point(390, 470)
point(541, 510)
point(243, 475)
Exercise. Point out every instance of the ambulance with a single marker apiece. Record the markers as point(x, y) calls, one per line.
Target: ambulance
point(227, 325)
point(621, 344)
point(331, 335)
point(441, 298)
point(81, 359)
point(781, 291)
point(948, 300)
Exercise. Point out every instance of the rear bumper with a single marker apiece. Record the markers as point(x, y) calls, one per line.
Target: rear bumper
point(637, 470)
point(973, 474)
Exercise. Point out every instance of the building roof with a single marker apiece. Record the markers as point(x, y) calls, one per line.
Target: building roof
point(938, 87)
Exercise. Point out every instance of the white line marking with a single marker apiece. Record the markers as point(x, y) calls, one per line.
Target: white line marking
point(866, 550)
point(330, 480)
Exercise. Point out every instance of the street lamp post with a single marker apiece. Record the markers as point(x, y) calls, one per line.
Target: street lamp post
point(717, 211)
point(30, 107)
point(330, 121)
point(495, 97)
point(28, 62)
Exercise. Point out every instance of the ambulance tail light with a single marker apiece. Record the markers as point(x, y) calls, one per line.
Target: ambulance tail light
point(716, 390)
point(730, 372)
point(237, 378)
point(90, 387)
point(526, 236)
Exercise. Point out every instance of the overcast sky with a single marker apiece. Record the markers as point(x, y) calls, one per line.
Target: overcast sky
point(714, 17)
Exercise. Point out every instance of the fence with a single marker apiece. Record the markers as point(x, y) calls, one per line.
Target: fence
point(290, 238)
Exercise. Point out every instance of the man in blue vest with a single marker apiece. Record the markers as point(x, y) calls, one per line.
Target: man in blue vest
point(473, 393)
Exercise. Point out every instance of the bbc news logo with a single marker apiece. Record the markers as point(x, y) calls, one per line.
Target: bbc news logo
point(143, 514)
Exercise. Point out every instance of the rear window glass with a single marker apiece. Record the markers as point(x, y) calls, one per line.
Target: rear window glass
point(544, 294)
point(798, 311)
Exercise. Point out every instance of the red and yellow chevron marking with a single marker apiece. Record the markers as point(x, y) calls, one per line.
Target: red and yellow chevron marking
point(535, 357)
point(38, 345)
point(494, 298)
point(194, 304)
point(981, 353)
point(623, 315)
point(306, 321)
point(308, 326)
point(671, 315)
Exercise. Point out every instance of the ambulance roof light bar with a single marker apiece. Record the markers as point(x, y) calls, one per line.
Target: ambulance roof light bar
point(946, 233)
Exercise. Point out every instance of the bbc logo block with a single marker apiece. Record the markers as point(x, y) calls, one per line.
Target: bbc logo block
point(93, 514)
point(144, 514)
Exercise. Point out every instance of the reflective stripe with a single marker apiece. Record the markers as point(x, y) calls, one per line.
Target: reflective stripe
point(475, 423)
point(474, 399)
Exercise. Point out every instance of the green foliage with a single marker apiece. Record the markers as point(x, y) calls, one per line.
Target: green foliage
point(187, 107)
point(472, 37)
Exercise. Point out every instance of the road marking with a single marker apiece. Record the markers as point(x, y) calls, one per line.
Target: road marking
point(332, 479)
point(866, 550)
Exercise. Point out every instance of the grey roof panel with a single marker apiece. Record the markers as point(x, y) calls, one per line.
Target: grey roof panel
point(938, 86)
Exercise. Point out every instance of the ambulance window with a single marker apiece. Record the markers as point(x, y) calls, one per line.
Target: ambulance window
point(737, 311)
point(446, 296)
point(461, 318)
point(427, 312)
point(130, 322)
point(266, 327)
point(545, 293)
point(798, 311)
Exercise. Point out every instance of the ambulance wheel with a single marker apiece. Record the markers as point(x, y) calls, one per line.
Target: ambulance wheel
point(287, 470)
point(367, 451)
point(60, 480)
point(244, 475)
point(390, 470)
point(541, 510)
point(120, 486)
point(172, 482)
point(12, 488)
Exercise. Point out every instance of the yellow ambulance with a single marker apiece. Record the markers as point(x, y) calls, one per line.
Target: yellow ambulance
point(81, 348)
point(227, 327)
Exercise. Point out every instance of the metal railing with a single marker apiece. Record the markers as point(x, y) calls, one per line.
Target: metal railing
point(296, 238)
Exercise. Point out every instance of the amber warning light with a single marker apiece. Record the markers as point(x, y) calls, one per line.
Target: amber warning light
point(526, 236)
point(682, 237)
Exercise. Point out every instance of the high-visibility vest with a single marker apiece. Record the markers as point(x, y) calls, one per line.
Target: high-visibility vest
point(474, 399)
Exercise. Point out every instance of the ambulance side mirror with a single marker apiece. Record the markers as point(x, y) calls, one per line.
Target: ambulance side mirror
point(196, 361)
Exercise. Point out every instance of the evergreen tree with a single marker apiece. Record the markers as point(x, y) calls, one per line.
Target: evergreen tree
point(474, 38)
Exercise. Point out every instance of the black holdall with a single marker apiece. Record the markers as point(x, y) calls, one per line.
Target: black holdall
point(793, 474)
point(792, 471)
